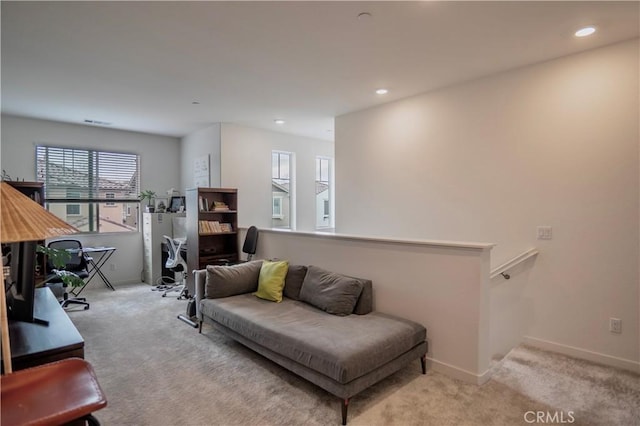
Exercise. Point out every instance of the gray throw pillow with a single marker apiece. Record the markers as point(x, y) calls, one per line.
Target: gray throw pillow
point(332, 292)
point(225, 281)
point(293, 281)
point(365, 301)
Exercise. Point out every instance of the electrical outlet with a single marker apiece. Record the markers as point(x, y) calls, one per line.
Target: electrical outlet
point(615, 325)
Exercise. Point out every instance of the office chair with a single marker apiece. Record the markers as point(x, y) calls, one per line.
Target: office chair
point(176, 263)
point(249, 247)
point(250, 242)
point(76, 264)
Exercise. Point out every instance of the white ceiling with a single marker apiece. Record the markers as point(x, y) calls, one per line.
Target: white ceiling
point(140, 65)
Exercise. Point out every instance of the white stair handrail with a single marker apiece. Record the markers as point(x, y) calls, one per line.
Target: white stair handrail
point(502, 269)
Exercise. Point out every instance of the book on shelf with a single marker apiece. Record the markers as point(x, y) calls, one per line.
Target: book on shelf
point(213, 226)
point(204, 227)
point(220, 206)
point(203, 204)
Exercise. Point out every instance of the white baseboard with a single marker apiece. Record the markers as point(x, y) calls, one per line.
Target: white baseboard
point(458, 373)
point(609, 360)
point(479, 379)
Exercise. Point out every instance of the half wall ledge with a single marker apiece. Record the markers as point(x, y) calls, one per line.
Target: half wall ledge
point(428, 243)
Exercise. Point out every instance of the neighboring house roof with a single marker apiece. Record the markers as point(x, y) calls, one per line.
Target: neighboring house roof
point(321, 187)
point(133, 182)
point(282, 187)
point(82, 221)
point(67, 177)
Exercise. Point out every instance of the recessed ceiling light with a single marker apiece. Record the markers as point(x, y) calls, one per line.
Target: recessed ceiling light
point(586, 31)
point(279, 121)
point(382, 91)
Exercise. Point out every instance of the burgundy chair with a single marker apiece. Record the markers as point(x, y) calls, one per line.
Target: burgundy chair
point(52, 394)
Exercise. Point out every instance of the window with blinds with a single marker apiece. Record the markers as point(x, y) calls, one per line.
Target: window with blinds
point(95, 191)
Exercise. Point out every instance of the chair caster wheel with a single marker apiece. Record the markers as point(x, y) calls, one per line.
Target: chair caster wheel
point(86, 308)
point(164, 295)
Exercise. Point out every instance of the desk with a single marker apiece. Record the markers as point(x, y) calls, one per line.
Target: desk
point(96, 257)
point(35, 344)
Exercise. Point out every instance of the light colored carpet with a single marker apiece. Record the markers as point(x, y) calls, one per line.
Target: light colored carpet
point(156, 370)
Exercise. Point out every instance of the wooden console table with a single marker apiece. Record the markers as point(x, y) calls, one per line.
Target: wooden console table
point(35, 344)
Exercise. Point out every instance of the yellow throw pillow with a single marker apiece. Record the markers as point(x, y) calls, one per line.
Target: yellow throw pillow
point(271, 280)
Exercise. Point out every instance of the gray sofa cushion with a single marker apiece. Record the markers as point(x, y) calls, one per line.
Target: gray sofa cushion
point(293, 281)
point(225, 281)
point(332, 292)
point(309, 336)
point(365, 301)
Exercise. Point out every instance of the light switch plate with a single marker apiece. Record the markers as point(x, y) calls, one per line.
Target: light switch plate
point(545, 233)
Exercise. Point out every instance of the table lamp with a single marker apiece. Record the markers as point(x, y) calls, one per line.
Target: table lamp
point(23, 220)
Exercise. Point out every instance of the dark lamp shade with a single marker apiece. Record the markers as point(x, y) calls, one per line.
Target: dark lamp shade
point(25, 220)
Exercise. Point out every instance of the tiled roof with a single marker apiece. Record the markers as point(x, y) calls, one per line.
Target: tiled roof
point(67, 177)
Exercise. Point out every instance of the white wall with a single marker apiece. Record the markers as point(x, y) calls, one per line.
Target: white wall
point(510, 308)
point(246, 165)
point(159, 170)
point(550, 144)
point(195, 145)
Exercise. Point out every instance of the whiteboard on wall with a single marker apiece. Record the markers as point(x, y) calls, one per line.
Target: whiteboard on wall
point(201, 171)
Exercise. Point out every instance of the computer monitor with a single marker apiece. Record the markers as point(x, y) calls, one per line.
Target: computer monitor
point(176, 203)
point(22, 283)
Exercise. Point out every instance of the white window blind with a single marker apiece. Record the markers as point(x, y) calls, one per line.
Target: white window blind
point(90, 174)
point(92, 190)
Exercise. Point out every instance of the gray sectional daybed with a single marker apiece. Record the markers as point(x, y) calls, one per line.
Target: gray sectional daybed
point(343, 352)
